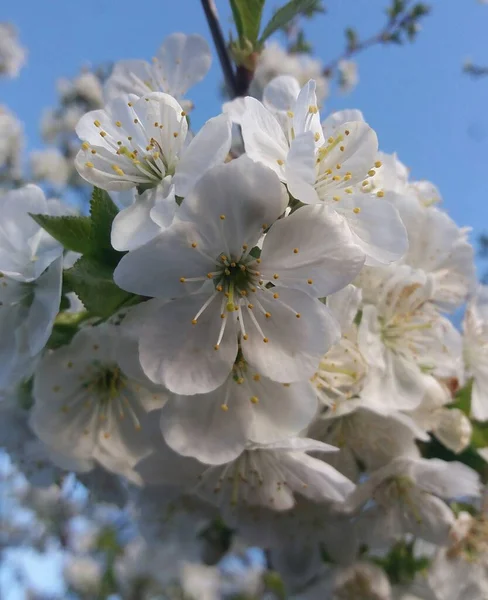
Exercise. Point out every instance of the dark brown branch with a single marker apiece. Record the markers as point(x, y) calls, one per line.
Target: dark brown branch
point(218, 39)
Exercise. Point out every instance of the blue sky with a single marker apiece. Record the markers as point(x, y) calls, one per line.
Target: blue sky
point(415, 96)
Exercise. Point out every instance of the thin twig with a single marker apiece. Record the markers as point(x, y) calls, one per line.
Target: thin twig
point(392, 26)
point(210, 11)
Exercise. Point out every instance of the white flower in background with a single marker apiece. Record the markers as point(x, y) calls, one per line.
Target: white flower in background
point(50, 165)
point(348, 75)
point(91, 399)
point(11, 143)
point(405, 497)
point(266, 475)
point(144, 142)
point(215, 427)
point(365, 439)
point(439, 247)
point(221, 294)
point(85, 86)
point(275, 61)
point(180, 63)
point(475, 329)
point(361, 580)
point(30, 282)
point(404, 339)
point(450, 425)
point(324, 166)
point(12, 54)
point(83, 573)
point(460, 570)
point(342, 370)
point(59, 124)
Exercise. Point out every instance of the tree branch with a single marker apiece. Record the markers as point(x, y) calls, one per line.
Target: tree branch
point(210, 11)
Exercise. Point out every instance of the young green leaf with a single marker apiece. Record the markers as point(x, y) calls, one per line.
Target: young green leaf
point(73, 232)
point(247, 16)
point(284, 15)
point(93, 283)
point(102, 213)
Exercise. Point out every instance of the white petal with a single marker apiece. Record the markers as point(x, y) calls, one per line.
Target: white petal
point(344, 305)
point(180, 355)
point(326, 255)
point(133, 226)
point(335, 120)
point(231, 203)
point(295, 345)
point(183, 60)
point(156, 268)
point(377, 227)
point(197, 425)
point(130, 77)
point(281, 93)
point(307, 117)
point(263, 137)
point(300, 169)
point(208, 148)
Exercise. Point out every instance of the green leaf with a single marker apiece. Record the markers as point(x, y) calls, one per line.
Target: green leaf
point(103, 211)
point(93, 282)
point(247, 16)
point(284, 15)
point(73, 232)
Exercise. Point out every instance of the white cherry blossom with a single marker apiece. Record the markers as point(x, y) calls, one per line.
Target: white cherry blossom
point(180, 63)
point(12, 54)
point(475, 329)
point(222, 293)
point(88, 405)
point(140, 141)
point(324, 166)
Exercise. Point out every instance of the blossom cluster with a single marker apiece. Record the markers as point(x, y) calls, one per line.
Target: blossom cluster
point(262, 337)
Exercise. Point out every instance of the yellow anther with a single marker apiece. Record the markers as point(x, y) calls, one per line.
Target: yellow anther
point(85, 146)
point(216, 347)
point(348, 190)
point(222, 315)
point(336, 198)
point(309, 281)
point(222, 218)
point(156, 124)
point(265, 340)
point(129, 137)
point(276, 276)
point(276, 296)
point(90, 165)
point(96, 123)
point(295, 250)
point(130, 103)
point(290, 114)
point(378, 164)
point(338, 166)
point(258, 260)
point(118, 123)
point(267, 315)
point(224, 407)
point(175, 134)
point(118, 170)
point(251, 306)
point(356, 210)
point(347, 132)
point(336, 178)
point(341, 148)
point(245, 336)
point(240, 381)
point(254, 399)
point(183, 113)
point(194, 245)
point(280, 162)
point(347, 177)
point(244, 246)
point(136, 120)
point(380, 193)
point(156, 155)
point(257, 377)
point(328, 172)
point(371, 172)
point(331, 140)
point(316, 136)
point(264, 226)
point(93, 151)
point(298, 315)
point(182, 280)
point(102, 133)
point(219, 288)
point(209, 276)
point(286, 385)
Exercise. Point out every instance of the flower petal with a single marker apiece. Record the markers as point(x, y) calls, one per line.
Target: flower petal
point(311, 250)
